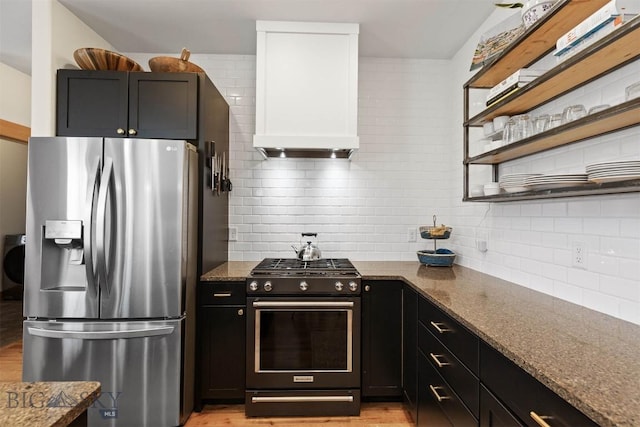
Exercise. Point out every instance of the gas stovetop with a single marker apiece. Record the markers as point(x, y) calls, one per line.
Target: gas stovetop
point(331, 276)
point(290, 266)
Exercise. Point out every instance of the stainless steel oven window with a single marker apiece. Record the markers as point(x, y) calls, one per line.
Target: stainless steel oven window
point(325, 314)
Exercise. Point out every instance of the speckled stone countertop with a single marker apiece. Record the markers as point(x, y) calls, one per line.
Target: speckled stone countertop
point(45, 404)
point(590, 359)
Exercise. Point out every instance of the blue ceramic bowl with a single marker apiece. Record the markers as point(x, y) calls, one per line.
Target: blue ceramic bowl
point(438, 258)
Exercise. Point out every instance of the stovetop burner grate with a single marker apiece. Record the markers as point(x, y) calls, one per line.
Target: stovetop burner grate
point(294, 265)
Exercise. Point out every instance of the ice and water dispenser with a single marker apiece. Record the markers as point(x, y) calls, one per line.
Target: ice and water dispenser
point(63, 255)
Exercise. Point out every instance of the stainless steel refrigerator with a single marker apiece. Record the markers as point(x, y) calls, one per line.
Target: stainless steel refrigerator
point(110, 273)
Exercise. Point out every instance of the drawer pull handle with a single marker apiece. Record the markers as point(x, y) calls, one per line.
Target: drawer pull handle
point(440, 327)
point(222, 294)
point(438, 362)
point(434, 390)
point(539, 419)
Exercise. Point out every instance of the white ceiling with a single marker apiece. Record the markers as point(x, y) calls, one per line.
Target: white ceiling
point(431, 29)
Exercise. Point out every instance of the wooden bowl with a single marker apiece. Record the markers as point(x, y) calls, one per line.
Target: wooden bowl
point(92, 58)
point(169, 64)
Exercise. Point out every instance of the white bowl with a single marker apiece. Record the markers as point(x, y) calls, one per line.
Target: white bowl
point(477, 191)
point(492, 189)
point(487, 128)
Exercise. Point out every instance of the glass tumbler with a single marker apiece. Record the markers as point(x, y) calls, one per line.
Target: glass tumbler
point(541, 123)
point(555, 120)
point(509, 132)
point(573, 112)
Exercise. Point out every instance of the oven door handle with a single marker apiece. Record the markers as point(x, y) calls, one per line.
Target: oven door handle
point(305, 304)
point(286, 399)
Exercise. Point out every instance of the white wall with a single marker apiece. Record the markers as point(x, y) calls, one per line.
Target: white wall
point(15, 106)
point(409, 168)
point(530, 242)
point(360, 208)
point(57, 33)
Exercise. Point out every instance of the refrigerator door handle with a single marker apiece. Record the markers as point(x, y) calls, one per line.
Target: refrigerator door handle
point(101, 215)
point(101, 335)
point(89, 227)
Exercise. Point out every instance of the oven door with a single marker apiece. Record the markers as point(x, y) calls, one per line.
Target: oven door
point(303, 343)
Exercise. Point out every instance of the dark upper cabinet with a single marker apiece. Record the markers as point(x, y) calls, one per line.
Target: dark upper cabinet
point(382, 339)
point(410, 350)
point(120, 104)
point(221, 341)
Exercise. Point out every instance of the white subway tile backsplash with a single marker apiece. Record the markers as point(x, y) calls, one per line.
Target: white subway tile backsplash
point(409, 168)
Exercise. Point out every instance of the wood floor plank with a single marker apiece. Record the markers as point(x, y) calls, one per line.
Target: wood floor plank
point(386, 414)
point(372, 414)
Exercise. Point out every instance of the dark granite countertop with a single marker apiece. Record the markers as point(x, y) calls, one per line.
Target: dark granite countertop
point(590, 359)
point(45, 404)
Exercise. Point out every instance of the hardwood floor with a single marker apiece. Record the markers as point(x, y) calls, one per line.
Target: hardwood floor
point(387, 414)
point(10, 321)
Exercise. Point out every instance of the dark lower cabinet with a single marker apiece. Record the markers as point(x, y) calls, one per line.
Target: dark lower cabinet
point(528, 399)
point(493, 413)
point(221, 341)
point(382, 339)
point(438, 405)
point(127, 104)
point(410, 350)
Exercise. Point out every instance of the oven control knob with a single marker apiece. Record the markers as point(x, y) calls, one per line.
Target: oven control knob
point(253, 286)
point(339, 286)
point(353, 286)
point(304, 286)
point(267, 286)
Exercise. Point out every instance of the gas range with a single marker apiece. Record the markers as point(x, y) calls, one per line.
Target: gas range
point(292, 276)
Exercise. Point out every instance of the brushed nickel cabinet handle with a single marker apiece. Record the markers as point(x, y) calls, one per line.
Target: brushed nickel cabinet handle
point(120, 131)
point(539, 419)
point(222, 294)
point(440, 327)
point(435, 389)
point(438, 362)
point(240, 312)
point(133, 132)
point(367, 288)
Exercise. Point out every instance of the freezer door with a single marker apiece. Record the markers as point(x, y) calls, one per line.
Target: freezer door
point(138, 365)
point(62, 182)
point(142, 223)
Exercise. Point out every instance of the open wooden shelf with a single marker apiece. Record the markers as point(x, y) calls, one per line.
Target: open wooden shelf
point(604, 56)
point(610, 120)
point(583, 190)
point(538, 40)
point(613, 51)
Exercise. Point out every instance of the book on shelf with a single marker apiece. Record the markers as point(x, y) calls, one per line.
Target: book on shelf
point(584, 42)
point(520, 77)
point(603, 16)
point(506, 93)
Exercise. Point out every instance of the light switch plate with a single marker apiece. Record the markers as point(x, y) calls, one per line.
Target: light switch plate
point(233, 234)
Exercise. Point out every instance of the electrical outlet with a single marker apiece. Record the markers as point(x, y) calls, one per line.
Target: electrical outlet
point(233, 234)
point(412, 234)
point(579, 255)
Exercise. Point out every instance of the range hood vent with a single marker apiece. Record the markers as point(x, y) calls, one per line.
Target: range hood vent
point(306, 89)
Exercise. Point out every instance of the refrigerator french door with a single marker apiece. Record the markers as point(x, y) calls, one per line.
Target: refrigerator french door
point(110, 272)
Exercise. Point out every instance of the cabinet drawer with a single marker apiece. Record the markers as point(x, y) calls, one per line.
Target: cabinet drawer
point(438, 405)
point(461, 379)
point(222, 293)
point(459, 340)
point(525, 395)
point(493, 413)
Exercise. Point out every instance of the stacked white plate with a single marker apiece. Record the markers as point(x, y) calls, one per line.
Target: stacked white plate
point(514, 182)
point(614, 171)
point(549, 182)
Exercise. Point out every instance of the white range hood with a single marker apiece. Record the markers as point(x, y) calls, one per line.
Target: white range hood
point(306, 89)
